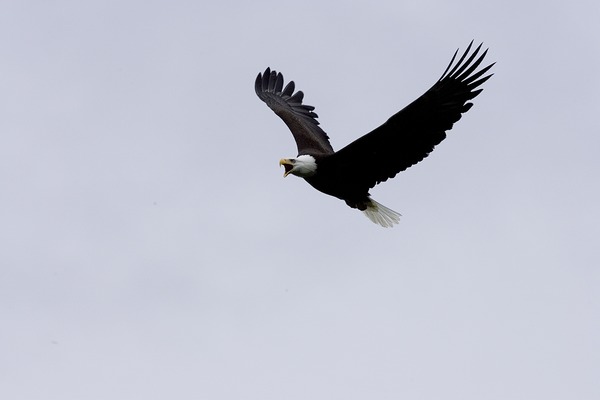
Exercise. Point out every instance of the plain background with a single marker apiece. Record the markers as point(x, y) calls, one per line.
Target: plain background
point(152, 250)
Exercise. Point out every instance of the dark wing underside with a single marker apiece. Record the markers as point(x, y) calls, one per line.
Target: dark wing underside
point(300, 118)
point(411, 134)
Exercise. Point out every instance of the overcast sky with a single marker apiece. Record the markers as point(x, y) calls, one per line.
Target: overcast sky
point(152, 250)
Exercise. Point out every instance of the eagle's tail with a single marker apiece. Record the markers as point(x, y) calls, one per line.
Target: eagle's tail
point(381, 215)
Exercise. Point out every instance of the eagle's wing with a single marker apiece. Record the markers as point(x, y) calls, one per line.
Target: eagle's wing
point(411, 134)
point(300, 118)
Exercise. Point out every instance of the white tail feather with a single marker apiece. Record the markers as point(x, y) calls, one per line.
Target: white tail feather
point(381, 215)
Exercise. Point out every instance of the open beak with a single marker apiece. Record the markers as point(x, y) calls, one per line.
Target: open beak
point(287, 164)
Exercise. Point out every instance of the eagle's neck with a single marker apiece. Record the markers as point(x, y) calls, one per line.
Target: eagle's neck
point(305, 166)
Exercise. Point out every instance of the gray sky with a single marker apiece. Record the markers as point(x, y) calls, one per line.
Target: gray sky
point(152, 249)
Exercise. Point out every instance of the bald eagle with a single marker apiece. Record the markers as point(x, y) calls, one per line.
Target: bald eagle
point(402, 141)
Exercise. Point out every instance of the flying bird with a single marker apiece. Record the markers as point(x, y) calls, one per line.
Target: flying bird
point(402, 141)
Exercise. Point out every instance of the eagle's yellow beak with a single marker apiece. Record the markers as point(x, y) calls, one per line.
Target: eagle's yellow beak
point(287, 164)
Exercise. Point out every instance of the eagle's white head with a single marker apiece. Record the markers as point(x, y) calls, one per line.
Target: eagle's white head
point(303, 166)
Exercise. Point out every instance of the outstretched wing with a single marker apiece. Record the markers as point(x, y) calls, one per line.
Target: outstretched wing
point(411, 134)
point(300, 118)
